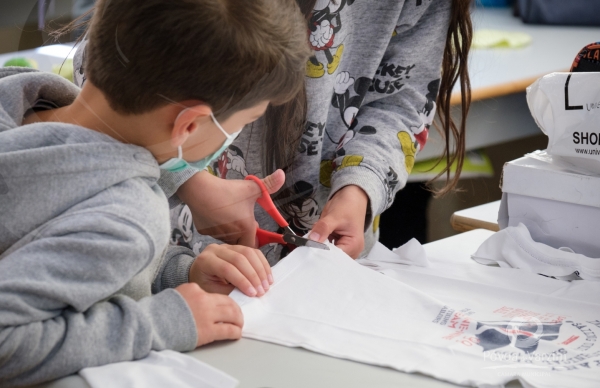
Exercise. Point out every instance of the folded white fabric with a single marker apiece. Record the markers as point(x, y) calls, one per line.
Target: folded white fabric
point(159, 370)
point(469, 333)
point(514, 247)
point(411, 253)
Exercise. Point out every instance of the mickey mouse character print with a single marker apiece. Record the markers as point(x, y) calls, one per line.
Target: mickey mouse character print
point(349, 104)
point(325, 22)
point(426, 114)
point(182, 233)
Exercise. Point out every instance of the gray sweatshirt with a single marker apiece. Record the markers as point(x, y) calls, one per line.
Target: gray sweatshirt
point(83, 232)
point(372, 85)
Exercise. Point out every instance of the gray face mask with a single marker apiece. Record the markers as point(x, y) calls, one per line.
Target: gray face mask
point(178, 164)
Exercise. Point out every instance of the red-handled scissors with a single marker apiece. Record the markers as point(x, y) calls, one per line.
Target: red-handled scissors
point(288, 237)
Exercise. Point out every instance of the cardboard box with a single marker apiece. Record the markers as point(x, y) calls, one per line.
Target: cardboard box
point(560, 208)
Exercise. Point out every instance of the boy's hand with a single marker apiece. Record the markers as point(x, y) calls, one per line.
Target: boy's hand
point(343, 220)
point(217, 317)
point(221, 268)
point(224, 209)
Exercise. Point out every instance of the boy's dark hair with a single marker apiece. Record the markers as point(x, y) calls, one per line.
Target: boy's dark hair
point(143, 54)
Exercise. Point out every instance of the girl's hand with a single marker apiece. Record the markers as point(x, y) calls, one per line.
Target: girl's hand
point(217, 317)
point(221, 268)
point(343, 221)
point(224, 209)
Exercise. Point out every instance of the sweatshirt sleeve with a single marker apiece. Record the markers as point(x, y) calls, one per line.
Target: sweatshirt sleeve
point(175, 270)
point(391, 126)
point(60, 310)
point(169, 182)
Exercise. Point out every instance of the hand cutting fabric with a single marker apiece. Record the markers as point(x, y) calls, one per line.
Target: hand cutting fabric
point(288, 237)
point(229, 215)
point(343, 221)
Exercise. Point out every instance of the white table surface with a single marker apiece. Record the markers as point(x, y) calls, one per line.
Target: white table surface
point(259, 364)
point(553, 48)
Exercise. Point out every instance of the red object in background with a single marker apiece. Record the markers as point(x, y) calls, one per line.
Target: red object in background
point(588, 59)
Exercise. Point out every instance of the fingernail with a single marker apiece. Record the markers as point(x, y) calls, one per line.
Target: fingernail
point(260, 290)
point(251, 291)
point(314, 236)
point(270, 277)
point(265, 284)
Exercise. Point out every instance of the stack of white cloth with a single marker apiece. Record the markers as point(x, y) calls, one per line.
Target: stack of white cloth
point(159, 370)
point(514, 247)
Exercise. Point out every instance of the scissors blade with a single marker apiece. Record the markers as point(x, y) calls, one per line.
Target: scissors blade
point(303, 242)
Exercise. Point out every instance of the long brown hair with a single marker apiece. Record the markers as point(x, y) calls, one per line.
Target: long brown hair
point(454, 69)
point(284, 126)
point(288, 120)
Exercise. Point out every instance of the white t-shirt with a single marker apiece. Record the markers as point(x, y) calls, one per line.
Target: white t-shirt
point(467, 324)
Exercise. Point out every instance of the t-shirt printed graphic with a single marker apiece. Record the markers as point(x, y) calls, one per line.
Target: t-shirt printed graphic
point(538, 339)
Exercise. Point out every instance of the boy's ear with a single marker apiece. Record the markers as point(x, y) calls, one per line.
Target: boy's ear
point(187, 122)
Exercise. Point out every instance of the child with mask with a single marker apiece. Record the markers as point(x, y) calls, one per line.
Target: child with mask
point(86, 274)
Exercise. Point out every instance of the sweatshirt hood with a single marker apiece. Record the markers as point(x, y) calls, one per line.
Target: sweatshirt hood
point(48, 168)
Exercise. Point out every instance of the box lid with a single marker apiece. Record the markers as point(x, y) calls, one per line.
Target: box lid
point(536, 178)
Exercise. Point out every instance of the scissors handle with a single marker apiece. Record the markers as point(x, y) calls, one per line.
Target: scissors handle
point(265, 237)
point(266, 202)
